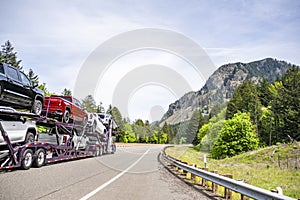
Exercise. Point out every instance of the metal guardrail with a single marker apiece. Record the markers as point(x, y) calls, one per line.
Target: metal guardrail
point(234, 185)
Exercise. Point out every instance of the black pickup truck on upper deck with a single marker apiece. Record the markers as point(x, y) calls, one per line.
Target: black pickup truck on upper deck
point(17, 91)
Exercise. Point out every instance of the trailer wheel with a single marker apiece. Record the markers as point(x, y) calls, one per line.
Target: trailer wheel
point(96, 152)
point(100, 152)
point(113, 149)
point(27, 159)
point(66, 116)
point(40, 158)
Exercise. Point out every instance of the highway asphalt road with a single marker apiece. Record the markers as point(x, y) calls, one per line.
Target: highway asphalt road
point(131, 173)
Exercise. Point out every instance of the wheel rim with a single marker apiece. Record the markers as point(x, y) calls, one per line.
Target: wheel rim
point(41, 157)
point(38, 107)
point(66, 116)
point(97, 152)
point(28, 159)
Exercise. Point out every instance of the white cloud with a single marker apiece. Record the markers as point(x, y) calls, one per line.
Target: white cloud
point(145, 97)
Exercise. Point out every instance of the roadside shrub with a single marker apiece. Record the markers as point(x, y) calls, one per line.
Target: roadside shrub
point(237, 136)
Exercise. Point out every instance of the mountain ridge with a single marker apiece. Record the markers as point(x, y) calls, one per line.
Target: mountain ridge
point(220, 86)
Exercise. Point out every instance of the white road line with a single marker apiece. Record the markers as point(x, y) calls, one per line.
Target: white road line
point(89, 195)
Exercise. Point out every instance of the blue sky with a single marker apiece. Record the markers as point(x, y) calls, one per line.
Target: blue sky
point(54, 38)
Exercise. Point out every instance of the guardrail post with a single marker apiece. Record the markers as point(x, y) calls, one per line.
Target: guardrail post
point(243, 197)
point(214, 185)
point(184, 173)
point(204, 182)
point(228, 192)
point(193, 176)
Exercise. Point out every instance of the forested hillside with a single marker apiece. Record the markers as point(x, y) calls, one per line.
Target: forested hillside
point(257, 115)
point(220, 86)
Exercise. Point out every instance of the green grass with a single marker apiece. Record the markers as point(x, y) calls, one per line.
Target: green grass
point(259, 168)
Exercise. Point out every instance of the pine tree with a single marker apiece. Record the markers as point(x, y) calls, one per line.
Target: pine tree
point(33, 77)
point(117, 117)
point(290, 104)
point(167, 130)
point(264, 92)
point(89, 104)
point(245, 99)
point(9, 56)
point(193, 127)
point(67, 92)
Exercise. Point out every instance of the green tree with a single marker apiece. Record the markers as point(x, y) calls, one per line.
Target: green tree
point(44, 88)
point(89, 104)
point(116, 114)
point(245, 99)
point(170, 134)
point(237, 136)
point(264, 92)
point(201, 122)
point(285, 106)
point(202, 137)
point(7, 55)
point(189, 128)
point(154, 137)
point(139, 122)
point(209, 132)
point(265, 131)
point(216, 109)
point(291, 103)
point(128, 135)
point(276, 105)
point(33, 77)
point(67, 92)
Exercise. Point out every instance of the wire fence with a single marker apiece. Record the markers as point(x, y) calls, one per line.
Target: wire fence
point(290, 162)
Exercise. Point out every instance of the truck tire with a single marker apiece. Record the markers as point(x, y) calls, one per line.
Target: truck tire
point(29, 137)
point(40, 158)
point(66, 116)
point(96, 152)
point(27, 159)
point(37, 107)
point(100, 153)
point(113, 149)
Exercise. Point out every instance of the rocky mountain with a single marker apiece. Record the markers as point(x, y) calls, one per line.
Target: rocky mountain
point(220, 86)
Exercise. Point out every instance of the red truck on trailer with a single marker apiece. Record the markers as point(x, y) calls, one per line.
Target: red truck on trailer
point(64, 108)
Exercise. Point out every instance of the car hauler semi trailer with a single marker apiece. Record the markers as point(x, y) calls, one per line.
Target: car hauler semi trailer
point(39, 153)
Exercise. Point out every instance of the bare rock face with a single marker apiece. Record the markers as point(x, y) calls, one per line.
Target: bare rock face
point(220, 86)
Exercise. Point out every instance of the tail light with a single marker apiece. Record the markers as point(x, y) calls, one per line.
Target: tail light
point(64, 139)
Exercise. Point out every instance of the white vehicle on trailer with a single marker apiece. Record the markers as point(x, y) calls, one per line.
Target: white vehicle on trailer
point(95, 125)
point(19, 129)
point(107, 120)
point(79, 141)
point(39, 153)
